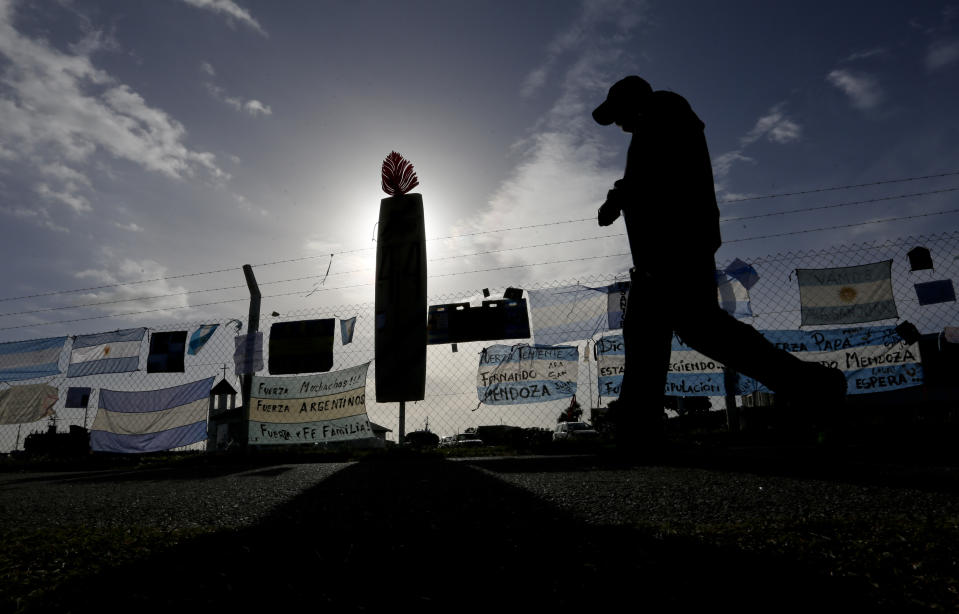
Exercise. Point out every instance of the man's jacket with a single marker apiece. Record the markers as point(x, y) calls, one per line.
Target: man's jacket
point(666, 194)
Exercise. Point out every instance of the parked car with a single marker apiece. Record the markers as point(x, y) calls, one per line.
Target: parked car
point(422, 439)
point(468, 440)
point(574, 431)
point(463, 440)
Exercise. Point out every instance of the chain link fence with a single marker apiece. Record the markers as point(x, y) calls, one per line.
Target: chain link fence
point(452, 404)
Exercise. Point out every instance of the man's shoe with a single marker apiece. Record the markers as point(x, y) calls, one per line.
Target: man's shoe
point(817, 397)
point(832, 417)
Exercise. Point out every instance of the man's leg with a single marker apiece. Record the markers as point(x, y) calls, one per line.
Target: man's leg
point(704, 326)
point(647, 336)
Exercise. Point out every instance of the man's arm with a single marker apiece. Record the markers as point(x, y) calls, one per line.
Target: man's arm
point(615, 201)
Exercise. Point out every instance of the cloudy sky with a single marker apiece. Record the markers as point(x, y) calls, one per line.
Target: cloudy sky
point(154, 139)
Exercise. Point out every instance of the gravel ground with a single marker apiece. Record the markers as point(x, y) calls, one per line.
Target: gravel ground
point(690, 496)
point(749, 532)
point(892, 530)
point(163, 498)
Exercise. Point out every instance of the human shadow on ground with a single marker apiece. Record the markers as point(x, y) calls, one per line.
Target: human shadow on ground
point(443, 536)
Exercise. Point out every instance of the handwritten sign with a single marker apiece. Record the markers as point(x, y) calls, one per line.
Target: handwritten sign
point(306, 409)
point(514, 374)
point(690, 373)
point(611, 362)
point(873, 358)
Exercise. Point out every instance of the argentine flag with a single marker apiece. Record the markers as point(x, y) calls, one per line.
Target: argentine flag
point(116, 352)
point(847, 295)
point(152, 420)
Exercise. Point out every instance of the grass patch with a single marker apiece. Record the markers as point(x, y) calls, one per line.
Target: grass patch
point(36, 562)
point(13, 463)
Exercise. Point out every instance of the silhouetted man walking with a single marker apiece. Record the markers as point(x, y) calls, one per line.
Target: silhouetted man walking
point(668, 203)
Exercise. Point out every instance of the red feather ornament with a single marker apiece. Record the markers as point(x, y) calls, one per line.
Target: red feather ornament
point(398, 175)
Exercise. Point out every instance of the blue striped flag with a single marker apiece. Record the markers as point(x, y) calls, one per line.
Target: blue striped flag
point(30, 359)
point(847, 295)
point(152, 420)
point(116, 352)
point(199, 338)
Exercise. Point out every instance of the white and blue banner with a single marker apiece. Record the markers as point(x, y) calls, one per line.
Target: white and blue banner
point(327, 407)
point(618, 296)
point(115, 352)
point(690, 373)
point(610, 361)
point(30, 359)
point(733, 295)
point(199, 338)
point(744, 273)
point(152, 420)
point(873, 358)
point(514, 374)
point(346, 330)
point(567, 313)
point(248, 353)
point(847, 295)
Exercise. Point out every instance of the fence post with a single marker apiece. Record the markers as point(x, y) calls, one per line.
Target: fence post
point(589, 375)
point(402, 434)
point(252, 327)
point(731, 381)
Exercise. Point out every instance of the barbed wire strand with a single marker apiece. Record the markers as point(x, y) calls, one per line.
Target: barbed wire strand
point(838, 187)
point(461, 235)
point(770, 236)
point(299, 292)
point(292, 279)
point(275, 262)
point(837, 205)
point(883, 221)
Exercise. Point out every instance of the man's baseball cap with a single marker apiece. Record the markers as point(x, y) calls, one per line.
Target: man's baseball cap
point(624, 94)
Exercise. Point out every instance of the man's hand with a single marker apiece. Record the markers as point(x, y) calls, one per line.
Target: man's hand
point(609, 210)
